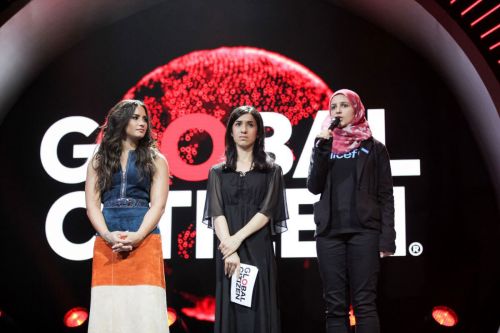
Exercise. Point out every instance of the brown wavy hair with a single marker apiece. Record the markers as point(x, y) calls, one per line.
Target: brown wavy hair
point(112, 134)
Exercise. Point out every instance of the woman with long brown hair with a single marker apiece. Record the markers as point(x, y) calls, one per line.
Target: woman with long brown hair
point(129, 177)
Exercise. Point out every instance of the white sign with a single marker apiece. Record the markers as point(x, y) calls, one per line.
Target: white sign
point(242, 285)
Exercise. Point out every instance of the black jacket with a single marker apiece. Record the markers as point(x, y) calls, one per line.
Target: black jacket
point(374, 196)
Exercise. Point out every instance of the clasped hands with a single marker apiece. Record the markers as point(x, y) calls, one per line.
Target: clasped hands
point(123, 241)
point(228, 248)
point(229, 245)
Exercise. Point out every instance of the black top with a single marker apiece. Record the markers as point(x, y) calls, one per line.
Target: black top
point(374, 199)
point(344, 218)
point(255, 191)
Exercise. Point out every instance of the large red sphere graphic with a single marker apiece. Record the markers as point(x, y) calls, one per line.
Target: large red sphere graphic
point(212, 83)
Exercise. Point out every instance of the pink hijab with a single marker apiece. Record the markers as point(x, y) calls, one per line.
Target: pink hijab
point(350, 137)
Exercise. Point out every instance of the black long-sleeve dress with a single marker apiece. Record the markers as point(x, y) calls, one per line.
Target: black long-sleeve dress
point(239, 197)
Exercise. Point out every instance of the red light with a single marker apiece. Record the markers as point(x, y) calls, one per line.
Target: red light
point(172, 316)
point(490, 31)
point(204, 308)
point(352, 318)
point(452, 2)
point(487, 13)
point(75, 317)
point(470, 7)
point(494, 46)
point(444, 316)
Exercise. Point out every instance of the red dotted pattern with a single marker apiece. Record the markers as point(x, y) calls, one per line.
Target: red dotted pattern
point(189, 144)
point(216, 81)
point(185, 242)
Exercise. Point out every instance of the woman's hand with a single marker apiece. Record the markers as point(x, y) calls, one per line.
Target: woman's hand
point(112, 238)
point(324, 134)
point(232, 264)
point(229, 245)
point(115, 240)
point(130, 239)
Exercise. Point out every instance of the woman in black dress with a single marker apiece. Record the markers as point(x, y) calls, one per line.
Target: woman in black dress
point(355, 215)
point(246, 205)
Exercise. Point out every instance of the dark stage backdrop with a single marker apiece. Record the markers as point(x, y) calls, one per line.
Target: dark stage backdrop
point(285, 57)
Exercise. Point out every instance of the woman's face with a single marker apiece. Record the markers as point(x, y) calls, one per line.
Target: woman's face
point(244, 131)
point(342, 108)
point(137, 124)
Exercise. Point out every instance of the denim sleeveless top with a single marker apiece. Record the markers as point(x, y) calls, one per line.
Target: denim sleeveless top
point(128, 187)
point(127, 201)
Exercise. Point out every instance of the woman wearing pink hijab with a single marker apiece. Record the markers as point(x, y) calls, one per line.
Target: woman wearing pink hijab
point(355, 215)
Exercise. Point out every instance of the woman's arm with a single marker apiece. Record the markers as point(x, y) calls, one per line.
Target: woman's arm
point(221, 228)
point(232, 261)
point(94, 213)
point(93, 200)
point(158, 199)
point(230, 244)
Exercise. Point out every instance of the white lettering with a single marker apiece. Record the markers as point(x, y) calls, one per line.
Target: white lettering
point(204, 235)
point(50, 141)
point(291, 246)
point(175, 199)
point(54, 228)
point(277, 142)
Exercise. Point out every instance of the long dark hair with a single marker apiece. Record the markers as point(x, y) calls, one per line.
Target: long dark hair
point(112, 134)
point(261, 161)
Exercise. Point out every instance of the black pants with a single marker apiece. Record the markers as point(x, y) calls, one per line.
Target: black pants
point(349, 268)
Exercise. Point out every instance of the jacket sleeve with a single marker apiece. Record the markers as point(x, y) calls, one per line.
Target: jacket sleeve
point(318, 167)
point(385, 199)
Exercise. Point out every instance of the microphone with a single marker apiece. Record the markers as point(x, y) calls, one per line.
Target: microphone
point(335, 122)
